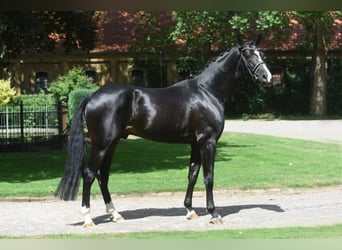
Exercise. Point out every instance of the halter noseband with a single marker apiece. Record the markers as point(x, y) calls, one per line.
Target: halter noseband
point(245, 61)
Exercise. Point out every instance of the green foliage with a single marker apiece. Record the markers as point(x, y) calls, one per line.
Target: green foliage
point(291, 98)
point(152, 34)
point(248, 98)
point(266, 116)
point(311, 19)
point(199, 34)
point(75, 98)
point(41, 30)
point(35, 107)
point(334, 105)
point(6, 92)
point(74, 79)
point(240, 22)
point(201, 31)
point(271, 19)
point(35, 100)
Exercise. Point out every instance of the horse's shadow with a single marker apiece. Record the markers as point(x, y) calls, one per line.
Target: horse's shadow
point(179, 211)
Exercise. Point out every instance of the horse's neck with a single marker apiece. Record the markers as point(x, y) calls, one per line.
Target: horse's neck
point(219, 78)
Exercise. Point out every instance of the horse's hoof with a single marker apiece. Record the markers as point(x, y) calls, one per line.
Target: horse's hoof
point(89, 224)
point(118, 218)
point(191, 215)
point(216, 221)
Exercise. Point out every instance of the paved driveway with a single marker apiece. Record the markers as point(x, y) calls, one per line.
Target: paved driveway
point(317, 130)
point(164, 212)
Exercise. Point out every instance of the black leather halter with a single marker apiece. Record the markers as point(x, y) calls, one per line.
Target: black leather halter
point(252, 71)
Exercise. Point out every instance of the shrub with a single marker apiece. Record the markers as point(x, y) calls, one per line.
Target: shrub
point(74, 79)
point(6, 92)
point(35, 100)
point(75, 97)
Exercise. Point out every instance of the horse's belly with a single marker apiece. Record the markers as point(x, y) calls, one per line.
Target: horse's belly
point(161, 134)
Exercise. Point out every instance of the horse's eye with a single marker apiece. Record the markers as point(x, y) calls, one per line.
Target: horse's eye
point(247, 53)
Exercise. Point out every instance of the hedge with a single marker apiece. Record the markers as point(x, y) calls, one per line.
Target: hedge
point(75, 98)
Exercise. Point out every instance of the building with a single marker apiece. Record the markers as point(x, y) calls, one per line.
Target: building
point(111, 62)
point(108, 62)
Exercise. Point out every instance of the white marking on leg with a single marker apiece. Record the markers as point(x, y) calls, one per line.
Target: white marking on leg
point(191, 214)
point(111, 210)
point(216, 221)
point(88, 222)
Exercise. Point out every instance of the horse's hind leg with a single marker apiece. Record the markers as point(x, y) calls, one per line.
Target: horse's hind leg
point(88, 179)
point(103, 177)
point(89, 174)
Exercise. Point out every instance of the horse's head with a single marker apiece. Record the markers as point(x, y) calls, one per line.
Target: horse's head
point(252, 59)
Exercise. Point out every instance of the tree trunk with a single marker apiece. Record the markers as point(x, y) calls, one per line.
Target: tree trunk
point(319, 73)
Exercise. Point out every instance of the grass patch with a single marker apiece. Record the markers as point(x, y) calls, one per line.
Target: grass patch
point(322, 232)
point(139, 166)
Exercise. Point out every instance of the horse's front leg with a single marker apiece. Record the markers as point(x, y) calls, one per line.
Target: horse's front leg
point(194, 166)
point(208, 151)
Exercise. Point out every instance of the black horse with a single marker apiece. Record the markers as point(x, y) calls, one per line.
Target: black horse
point(190, 112)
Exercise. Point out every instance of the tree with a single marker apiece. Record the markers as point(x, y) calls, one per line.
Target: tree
point(196, 36)
point(200, 33)
point(318, 26)
point(44, 31)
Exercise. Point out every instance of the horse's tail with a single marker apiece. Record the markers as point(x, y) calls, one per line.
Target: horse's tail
point(75, 162)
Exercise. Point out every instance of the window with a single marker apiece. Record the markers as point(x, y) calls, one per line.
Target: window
point(41, 81)
point(137, 77)
point(277, 77)
point(91, 74)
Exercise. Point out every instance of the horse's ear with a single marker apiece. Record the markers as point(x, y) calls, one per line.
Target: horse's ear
point(239, 38)
point(258, 40)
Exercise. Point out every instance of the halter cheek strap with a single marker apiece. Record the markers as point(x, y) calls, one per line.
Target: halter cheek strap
point(251, 71)
point(256, 67)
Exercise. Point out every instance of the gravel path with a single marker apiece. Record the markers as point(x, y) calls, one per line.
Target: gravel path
point(164, 211)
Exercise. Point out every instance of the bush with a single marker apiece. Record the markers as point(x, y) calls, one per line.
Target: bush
point(292, 98)
point(74, 79)
point(75, 98)
point(35, 100)
point(6, 92)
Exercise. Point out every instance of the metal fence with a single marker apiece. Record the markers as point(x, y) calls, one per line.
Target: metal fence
point(21, 124)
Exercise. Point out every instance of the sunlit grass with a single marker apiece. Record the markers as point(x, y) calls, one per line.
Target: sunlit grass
point(243, 161)
point(322, 232)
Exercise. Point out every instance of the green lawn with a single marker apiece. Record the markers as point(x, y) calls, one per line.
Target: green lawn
point(323, 232)
point(243, 161)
